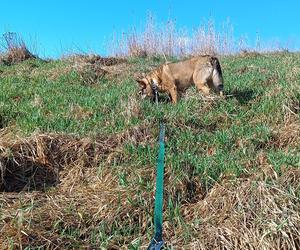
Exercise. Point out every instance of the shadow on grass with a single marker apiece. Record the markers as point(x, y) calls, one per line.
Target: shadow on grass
point(27, 176)
point(244, 96)
point(3, 122)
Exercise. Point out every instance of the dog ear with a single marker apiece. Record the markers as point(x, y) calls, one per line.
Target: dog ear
point(142, 82)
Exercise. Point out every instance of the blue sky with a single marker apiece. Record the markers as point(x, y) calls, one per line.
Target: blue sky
point(57, 27)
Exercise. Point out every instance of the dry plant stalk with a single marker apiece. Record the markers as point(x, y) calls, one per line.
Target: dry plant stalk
point(158, 39)
point(15, 49)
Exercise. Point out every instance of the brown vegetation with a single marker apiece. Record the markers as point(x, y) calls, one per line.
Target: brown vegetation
point(16, 50)
point(258, 211)
point(155, 39)
point(92, 67)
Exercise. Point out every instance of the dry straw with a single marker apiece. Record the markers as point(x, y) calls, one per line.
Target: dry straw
point(15, 49)
point(158, 39)
point(258, 211)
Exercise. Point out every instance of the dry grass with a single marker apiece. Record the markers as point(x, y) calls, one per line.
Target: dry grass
point(94, 59)
point(90, 69)
point(16, 50)
point(166, 38)
point(61, 191)
point(34, 163)
point(89, 73)
point(72, 165)
point(258, 211)
point(287, 135)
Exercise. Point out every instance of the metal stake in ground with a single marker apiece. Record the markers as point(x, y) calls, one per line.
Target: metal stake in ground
point(157, 241)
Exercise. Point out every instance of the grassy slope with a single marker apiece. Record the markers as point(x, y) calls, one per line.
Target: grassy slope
point(207, 141)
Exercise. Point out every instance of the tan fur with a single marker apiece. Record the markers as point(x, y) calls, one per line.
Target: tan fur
point(174, 78)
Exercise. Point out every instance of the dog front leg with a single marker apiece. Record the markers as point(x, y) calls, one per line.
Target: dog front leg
point(173, 94)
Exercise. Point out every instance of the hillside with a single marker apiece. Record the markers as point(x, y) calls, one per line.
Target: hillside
point(78, 153)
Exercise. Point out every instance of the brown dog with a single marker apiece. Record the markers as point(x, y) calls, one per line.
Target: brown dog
point(174, 78)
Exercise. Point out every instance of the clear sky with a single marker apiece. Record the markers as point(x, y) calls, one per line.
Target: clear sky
point(58, 26)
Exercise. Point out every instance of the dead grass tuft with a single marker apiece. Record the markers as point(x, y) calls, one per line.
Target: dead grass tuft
point(286, 135)
point(91, 68)
point(16, 50)
point(35, 163)
point(249, 53)
point(94, 59)
point(89, 73)
point(248, 214)
point(166, 39)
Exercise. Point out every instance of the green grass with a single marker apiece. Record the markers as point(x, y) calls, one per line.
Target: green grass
point(204, 139)
point(36, 104)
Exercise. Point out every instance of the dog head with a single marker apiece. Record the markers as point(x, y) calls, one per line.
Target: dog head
point(146, 85)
